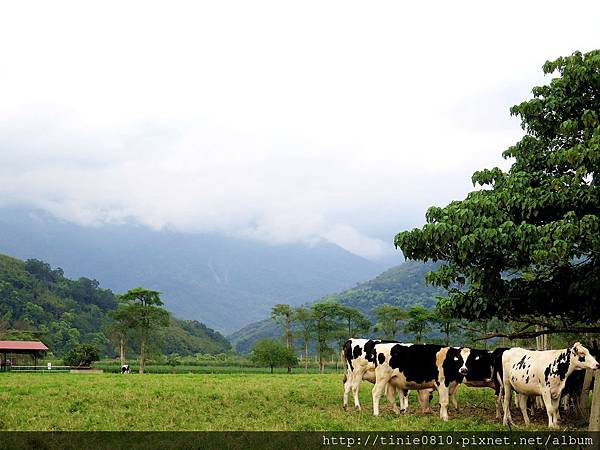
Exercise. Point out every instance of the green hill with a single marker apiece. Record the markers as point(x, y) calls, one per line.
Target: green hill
point(202, 276)
point(402, 286)
point(38, 301)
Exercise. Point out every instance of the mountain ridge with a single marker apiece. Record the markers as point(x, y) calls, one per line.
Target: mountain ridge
point(402, 285)
point(223, 282)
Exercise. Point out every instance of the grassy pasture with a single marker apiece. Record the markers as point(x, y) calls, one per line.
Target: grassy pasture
point(213, 368)
point(223, 402)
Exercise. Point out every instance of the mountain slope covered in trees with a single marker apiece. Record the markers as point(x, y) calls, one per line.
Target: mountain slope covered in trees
point(204, 277)
point(403, 286)
point(40, 302)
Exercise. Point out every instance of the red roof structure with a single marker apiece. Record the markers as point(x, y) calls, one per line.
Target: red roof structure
point(16, 346)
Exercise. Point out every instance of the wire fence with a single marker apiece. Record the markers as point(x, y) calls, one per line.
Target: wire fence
point(44, 369)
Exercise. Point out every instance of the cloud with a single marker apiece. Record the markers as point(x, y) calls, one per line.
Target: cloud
point(285, 123)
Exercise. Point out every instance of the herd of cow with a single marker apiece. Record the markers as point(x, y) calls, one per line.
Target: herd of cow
point(399, 367)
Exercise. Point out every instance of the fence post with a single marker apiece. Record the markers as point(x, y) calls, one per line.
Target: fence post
point(584, 400)
point(595, 411)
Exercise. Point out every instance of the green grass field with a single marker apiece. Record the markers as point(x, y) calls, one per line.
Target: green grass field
point(224, 402)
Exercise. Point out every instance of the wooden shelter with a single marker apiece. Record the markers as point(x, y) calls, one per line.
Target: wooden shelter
point(9, 348)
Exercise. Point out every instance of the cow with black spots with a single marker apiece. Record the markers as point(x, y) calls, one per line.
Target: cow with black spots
point(360, 365)
point(544, 373)
point(419, 366)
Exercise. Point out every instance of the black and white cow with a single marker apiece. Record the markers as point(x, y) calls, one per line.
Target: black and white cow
point(532, 372)
point(125, 368)
point(484, 369)
point(360, 365)
point(573, 390)
point(418, 366)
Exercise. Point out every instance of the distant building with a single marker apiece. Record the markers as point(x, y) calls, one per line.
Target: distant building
point(10, 350)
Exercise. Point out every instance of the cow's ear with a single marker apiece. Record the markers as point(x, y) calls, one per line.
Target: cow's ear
point(579, 349)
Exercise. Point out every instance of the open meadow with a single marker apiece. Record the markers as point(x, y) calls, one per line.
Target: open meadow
point(219, 402)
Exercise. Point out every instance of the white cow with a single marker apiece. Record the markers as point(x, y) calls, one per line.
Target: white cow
point(533, 372)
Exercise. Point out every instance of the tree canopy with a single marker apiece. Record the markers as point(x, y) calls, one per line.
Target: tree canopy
point(142, 311)
point(82, 355)
point(273, 354)
point(526, 244)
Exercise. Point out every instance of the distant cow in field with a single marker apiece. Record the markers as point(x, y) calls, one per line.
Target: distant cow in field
point(419, 366)
point(361, 366)
point(125, 368)
point(531, 372)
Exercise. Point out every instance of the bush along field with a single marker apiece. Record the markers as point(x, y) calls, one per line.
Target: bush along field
point(221, 402)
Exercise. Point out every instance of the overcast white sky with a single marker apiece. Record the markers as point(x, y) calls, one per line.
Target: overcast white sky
point(282, 121)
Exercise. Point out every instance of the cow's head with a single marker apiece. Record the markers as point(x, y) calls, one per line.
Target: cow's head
point(456, 358)
point(479, 365)
point(464, 355)
point(583, 358)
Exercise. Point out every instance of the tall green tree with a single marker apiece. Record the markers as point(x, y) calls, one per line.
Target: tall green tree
point(119, 329)
point(355, 322)
point(305, 324)
point(145, 313)
point(446, 322)
point(418, 322)
point(389, 318)
point(273, 354)
point(284, 315)
point(525, 246)
point(327, 327)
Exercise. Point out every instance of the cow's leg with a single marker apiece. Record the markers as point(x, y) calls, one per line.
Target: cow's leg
point(499, 391)
point(424, 400)
point(444, 398)
point(452, 393)
point(556, 408)
point(356, 379)
point(390, 392)
point(347, 388)
point(499, 399)
point(403, 400)
point(538, 403)
point(547, 398)
point(382, 378)
point(507, 395)
point(522, 400)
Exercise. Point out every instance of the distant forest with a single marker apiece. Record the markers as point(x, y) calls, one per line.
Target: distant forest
point(38, 302)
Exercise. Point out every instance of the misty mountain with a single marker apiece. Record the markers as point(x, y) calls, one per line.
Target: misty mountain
point(224, 282)
point(402, 286)
point(38, 302)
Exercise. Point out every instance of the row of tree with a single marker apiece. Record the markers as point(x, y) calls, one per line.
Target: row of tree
point(325, 325)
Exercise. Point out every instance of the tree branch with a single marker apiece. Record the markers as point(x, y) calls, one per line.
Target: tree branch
point(524, 334)
point(533, 334)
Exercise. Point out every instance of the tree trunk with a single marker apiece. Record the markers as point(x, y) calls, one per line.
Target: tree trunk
point(143, 354)
point(271, 369)
point(321, 362)
point(122, 350)
point(595, 412)
point(541, 341)
point(288, 342)
point(305, 356)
